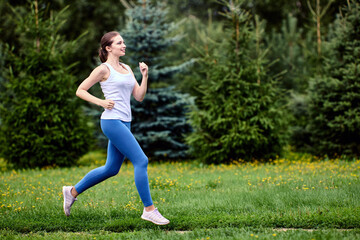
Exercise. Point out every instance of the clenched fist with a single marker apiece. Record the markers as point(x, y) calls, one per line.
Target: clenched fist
point(143, 68)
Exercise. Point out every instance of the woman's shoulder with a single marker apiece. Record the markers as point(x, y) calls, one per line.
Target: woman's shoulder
point(125, 65)
point(102, 69)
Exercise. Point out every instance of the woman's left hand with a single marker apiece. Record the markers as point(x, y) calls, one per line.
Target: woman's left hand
point(143, 68)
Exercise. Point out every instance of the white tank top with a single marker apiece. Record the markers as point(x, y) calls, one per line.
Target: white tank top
point(118, 87)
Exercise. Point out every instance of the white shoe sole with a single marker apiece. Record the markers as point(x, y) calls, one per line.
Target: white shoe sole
point(157, 223)
point(63, 191)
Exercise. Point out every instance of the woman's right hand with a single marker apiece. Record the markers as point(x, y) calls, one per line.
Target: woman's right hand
point(108, 104)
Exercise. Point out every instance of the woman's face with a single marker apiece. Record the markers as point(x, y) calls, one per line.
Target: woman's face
point(117, 47)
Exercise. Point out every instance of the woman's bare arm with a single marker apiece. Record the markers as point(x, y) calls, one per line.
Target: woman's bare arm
point(98, 74)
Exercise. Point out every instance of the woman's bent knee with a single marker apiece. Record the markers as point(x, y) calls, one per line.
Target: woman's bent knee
point(142, 162)
point(110, 172)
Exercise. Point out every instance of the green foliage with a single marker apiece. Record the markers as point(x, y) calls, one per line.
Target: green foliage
point(93, 158)
point(272, 11)
point(293, 55)
point(2, 80)
point(236, 115)
point(92, 16)
point(298, 107)
point(42, 122)
point(201, 40)
point(201, 9)
point(275, 11)
point(160, 123)
point(335, 95)
point(2, 68)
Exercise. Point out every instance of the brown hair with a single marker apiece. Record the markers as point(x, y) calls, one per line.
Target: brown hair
point(106, 40)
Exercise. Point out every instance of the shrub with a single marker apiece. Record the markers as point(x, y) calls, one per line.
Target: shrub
point(42, 122)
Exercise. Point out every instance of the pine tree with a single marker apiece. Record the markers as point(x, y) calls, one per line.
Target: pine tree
point(236, 115)
point(159, 122)
point(335, 95)
point(41, 120)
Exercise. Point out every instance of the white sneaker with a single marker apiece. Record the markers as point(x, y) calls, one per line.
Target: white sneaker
point(68, 199)
point(154, 217)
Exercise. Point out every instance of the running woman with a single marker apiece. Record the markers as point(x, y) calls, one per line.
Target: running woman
point(117, 82)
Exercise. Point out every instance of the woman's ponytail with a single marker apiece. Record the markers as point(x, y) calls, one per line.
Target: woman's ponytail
point(106, 40)
point(103, 54)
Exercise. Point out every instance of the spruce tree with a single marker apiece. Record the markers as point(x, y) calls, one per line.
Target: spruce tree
point(159, 122)
point(147, 37)
point(236, 115)
point(335, 95)
point(42, 122)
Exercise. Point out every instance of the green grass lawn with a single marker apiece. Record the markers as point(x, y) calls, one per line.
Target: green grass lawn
point(292, 198)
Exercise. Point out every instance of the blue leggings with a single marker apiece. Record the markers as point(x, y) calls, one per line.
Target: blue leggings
point(121, 143)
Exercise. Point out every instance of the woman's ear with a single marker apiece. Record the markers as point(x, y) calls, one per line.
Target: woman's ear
point(108, 48)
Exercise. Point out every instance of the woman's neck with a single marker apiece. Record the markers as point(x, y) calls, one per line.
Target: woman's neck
point(114, 61)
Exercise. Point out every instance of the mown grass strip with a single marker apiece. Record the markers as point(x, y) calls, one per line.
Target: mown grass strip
point(200, 234)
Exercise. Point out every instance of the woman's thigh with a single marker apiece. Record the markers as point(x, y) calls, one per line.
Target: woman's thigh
point(121, 137)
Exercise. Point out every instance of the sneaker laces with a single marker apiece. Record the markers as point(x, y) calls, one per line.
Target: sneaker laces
point(157, 213)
